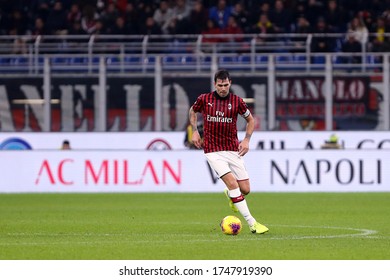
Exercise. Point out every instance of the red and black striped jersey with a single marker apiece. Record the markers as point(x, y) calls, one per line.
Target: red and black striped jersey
point(220, 120)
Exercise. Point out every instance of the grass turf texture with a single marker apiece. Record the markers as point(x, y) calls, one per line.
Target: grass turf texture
point(167, 226)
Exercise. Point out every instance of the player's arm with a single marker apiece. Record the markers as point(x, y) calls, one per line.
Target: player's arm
point(243, 148)
point(196, 140)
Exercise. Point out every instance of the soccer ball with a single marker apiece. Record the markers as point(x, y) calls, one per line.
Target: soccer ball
point(231, 225)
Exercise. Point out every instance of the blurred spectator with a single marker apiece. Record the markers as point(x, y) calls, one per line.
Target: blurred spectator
point(280, 17)
point(365, 17)
point(241, 16)
point(181, 10)
point(57, 22)
point(314, 10)
point(386, 15)
point(19, 46)
point(43, 10)
point(3, 23)
point(74, 14)
point(179, 22)
point(322, 41)
point(235, 39)
point(259, 9)
point(198, 18)
point(162, 16)
point(350, 7)
point(351, 45)
point(358, 30)
point(39, 27)
point(18, 17)
point(131, 17)
point(99, 27)
point(120, 5)
point(211, 29)
point(119, 27)
point(89, 18)
point(335, 17)
point(234, 29)
point(355, 41)
point(220, 13)
point(144, 11)
point(150, 27)
point(298, 11)
point(65, 3)
point(263, 28)
point(376, 7)
point(17, 23)
point(379, 43)
point(300, 27)
point(109, 17)
point(76, 28)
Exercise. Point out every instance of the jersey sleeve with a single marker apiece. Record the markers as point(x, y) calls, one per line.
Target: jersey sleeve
point(243, 108)
point(198, 104)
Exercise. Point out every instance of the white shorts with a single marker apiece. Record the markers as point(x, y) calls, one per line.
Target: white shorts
point(227, 161)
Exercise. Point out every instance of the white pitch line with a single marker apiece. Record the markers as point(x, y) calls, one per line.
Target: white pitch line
point(367, 233)
point(361, 232)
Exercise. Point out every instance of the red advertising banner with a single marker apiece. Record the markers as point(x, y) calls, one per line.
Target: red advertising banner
point(301, 102)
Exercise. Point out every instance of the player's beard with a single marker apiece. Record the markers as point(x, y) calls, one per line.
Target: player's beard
point(223, 94)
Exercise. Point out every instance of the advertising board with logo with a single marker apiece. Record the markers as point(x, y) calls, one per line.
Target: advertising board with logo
point(188, 171)
point(292, 140)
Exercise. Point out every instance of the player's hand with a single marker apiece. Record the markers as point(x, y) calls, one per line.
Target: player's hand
point(196, 140)
point(243, 147)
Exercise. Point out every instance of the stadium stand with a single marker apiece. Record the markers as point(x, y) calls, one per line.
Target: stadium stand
point(75, 33)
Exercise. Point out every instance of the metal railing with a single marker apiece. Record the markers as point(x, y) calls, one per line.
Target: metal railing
point(138, 53)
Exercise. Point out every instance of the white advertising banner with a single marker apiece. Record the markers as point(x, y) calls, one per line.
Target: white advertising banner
point(188, 171)
point(271, 140)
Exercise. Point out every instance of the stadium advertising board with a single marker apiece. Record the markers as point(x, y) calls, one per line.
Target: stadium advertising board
point(300, 103)
point(291, 140)
point(188, 171)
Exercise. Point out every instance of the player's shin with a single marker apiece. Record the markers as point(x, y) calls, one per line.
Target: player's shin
point(240, 202)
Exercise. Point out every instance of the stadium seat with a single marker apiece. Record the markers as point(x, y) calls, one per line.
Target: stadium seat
point(246, 59)
point(78, 60)
point(112, 60)
point(261, 59)
point(168, 60)
point(19, 60)
point(130, 59)
point(230, 62)
point(59, 60)
point(150, 60)
point(5, 61)
point(319, 59)
point(299, 59)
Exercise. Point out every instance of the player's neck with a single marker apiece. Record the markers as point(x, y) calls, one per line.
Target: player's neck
point(220, 97)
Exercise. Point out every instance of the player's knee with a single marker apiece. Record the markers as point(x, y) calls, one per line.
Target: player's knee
point(230, 181)
point(245, 191)
point(244, 187)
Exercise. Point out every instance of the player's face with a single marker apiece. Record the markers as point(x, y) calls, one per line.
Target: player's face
point(222, 87)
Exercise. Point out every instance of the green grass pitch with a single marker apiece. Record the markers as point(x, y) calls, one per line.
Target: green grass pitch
point(185, 226)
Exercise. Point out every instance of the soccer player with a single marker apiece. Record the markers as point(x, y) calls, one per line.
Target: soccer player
point(66, 145)
point(222, 149)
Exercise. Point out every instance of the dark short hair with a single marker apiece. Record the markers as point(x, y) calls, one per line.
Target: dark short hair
point(222, 75)
point(66, 142)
